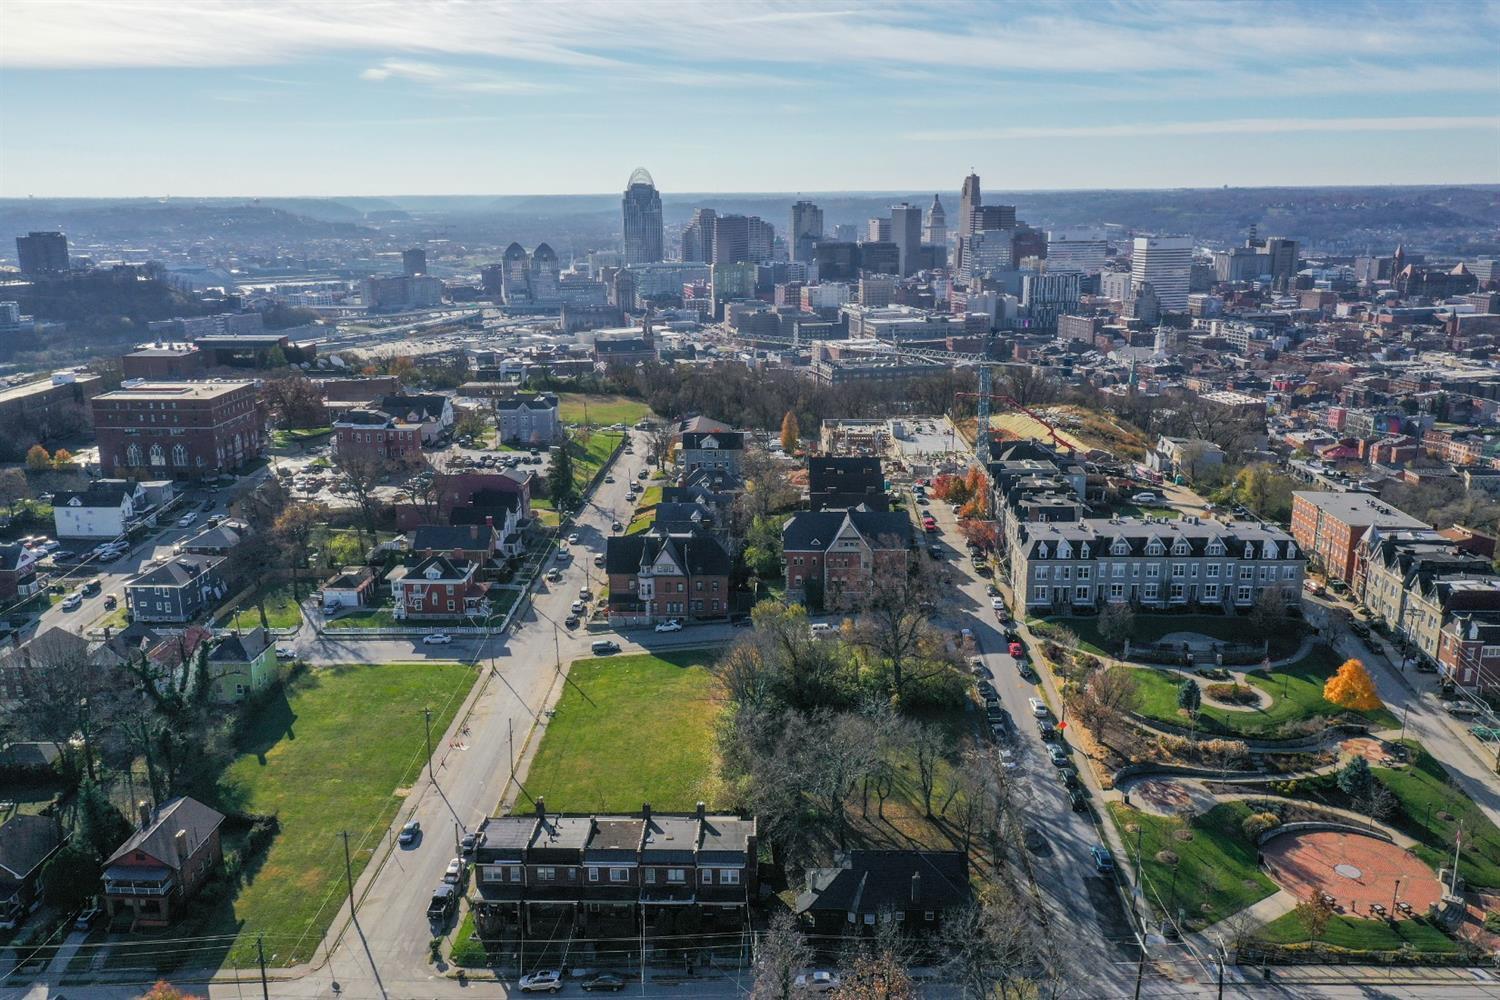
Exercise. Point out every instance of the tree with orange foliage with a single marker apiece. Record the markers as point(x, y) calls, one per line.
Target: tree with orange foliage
point(1353, 687)
point(978, 486)
point(950, 489)
point(164, 990)
point(791, 433)
point(875, 977)
point(985, 534)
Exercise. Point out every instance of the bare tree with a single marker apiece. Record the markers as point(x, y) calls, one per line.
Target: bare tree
point(658, 444)
point(1109, 693)
point(362, 474)
point(780, 954)
point(896, 627)
point(928, 748)
point(993, 947)
point(880, 975)
point(63, 695)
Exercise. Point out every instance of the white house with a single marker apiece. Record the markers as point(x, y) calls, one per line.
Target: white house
point(102, 511)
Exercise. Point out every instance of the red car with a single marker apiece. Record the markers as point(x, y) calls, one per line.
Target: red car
point(1016, 651)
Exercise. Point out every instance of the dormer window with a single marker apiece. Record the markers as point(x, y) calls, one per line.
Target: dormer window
point(1083, 552)
point(1270, 552)
point(1064, 550)
point(1155, 548)
point(1120, 548)
point(1216, 548)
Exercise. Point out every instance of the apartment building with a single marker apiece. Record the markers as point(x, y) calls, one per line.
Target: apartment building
point(1469, 650)
point(1328, 525)
point(437, 588)
point(528, 419)
point(837, 554)
point(179, 430)
point(667, 572)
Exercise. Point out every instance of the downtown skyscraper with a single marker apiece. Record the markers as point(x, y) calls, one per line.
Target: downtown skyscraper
point(805, 230)
point(644, 243)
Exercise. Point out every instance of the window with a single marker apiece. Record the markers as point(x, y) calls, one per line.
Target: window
point(708, 876)
point(1155, 548)
point(1065, 573)
point(1116, 591)
point(1177, 570)
point(1212, 571)
point(1244, 595)
point(1117, 571)
point(929, 916)
point(1085, 572)
point(593, 874)
point(619, 875)
point(1150, 592)
point(650, 876)
point(676, 875)
point(1039, 594)
point(1289, 572)
point(1152, 571)
point(729, 876)
point(450, 605)
point(1210, 591)
point(1041, 573)
point(1247, 572)
point(546, 874)
point(1080, 593)
point(1177, 592)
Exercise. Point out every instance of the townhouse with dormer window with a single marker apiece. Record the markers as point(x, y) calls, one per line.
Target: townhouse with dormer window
point(667, 572)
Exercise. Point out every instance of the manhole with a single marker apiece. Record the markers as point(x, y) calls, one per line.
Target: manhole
point(1348, 871)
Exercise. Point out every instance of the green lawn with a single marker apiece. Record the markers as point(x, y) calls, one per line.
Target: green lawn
point(602, 410)
point(282, 610)
point(283, 438)
point(1150, 628)
point(369, 618)
point(1424, 791)
point(467, 952)
point(587, 458)
point(1128, 509)
point(330, 758)
point(117, 619)
point(1216, 867)
point(1302, 684)
point(628, 730)
point(1359, 934)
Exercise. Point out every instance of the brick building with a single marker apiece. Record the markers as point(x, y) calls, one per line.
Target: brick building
point(842, 551)
point(164, 361)
point(437, 587)
point(1469, 650)
point(377, 435)
point(58, 401)
point(181, 430)
point(666, 573)
point(1329, 526)
point(175, 850)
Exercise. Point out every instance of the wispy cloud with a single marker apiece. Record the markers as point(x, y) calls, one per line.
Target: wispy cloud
point(1224, 126)
point(452, 78)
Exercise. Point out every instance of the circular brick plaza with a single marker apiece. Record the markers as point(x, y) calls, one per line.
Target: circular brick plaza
point(1355, 870)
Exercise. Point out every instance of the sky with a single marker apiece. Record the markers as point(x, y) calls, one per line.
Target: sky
point(369, 97)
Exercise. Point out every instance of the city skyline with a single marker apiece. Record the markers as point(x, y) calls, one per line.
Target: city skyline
point(283, 99)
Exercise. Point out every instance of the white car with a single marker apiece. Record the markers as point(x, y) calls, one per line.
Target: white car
point(285, 653)
point(1038, 708)
point(72, 602)
point(437, 639)
point(455, 871)
point(672, 626)
point(546, 980)
point(186, 520)
point(997, 603)
point(573, 538)
point(1008, 759)
point(578, 607)
point(1144, 498)
point(820, 981)
point(820, 628)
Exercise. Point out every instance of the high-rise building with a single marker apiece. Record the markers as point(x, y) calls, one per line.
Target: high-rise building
point(492, 280)
point(846, 232)
point(838, 260)
point(762, 238)
point(879, 257)
point(698, 237)
point(413, 262)
point(544, 275)
point(968, 202)
point(1080, 253)
point(1281, 254)
point(994, 217)
point(877, 230)
point(906, 233)
point(1045, 297)
point(42, 253)
point(805, 230)
point(935, 230)
point(1167, 263)
point(731, 239)
point(986, 250)
point(642, 216)
point(515, 276)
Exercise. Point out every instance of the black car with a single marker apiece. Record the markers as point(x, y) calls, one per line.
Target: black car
point(1027, 674)
point(1078, 799)
point(444, 901)
point(1360, 629)
point(1012, 635)
point(988, 692)
point(571, 621)
point(603, 981)
point(1047, 728)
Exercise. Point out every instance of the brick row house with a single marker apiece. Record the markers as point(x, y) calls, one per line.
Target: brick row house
point(597, 875)
point(1416, 580)
point(841, 552)
point(164, 863)
point(1468, 652)
point(179, 430)
point(437, 588)
point(379, 436)
point(666, 573)
point(1329, 525)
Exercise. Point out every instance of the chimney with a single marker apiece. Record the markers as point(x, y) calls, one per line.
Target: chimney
point(916, 888)
point(702, 809)
point(646, 811)
point(143, 810)
point(541, 807)
point(179, 841)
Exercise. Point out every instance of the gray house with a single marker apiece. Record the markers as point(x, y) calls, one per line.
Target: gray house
point(186, 588)
point(526, 420)
point(714, 451)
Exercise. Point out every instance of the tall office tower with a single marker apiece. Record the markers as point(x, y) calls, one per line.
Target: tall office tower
point(806, 229)
point(906, 233)
point(698, 237)
point(492, 280)
point(1166, 262)
point(515, 275)
point(1027, 242)
point(838, 260)
point(935, 231)
point(968, 203)
point(879, 257)
point(1045, 297)
point(731, 239)
point(994, 217)
point(413, 262)
point(760, 237)
point(846, 232)
point(878, 231)
point(544, 275)
point(642, 211)
point(42, 253)
point(1075, 253)
point(1282, 254)
point(987, 250)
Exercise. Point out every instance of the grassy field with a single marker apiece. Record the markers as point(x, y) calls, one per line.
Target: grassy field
point(1296, 692)
point(587, 458)
point(1359, 934)
point(628, 730)
point(645, 514)
point(302, 435)
point(1426, 794)
point(1131, 509)
point(1150, 628)
point(333, 757)
point(602, 410)
point(281, 609)
point(1216, 873)
point(1082, 429)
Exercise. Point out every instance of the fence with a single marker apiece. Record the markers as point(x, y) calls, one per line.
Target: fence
point(1182, 654)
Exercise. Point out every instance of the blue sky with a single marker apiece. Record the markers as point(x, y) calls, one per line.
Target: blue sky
point(451, 97)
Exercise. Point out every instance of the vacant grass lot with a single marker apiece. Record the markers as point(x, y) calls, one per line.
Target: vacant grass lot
point(602, 410)
point(1427, 795)
point(645, 514)
point(1216, 873)
point(628, 730)
point(281, 609)
point(1358, 934)
point(1296, 691)
point(589, 456)
point(1151, 628)
point(332, 757)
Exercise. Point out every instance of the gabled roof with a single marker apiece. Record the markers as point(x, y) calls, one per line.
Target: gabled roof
point(844, 474)
point(110, 493)
point(157, 840)
point(447, 537)
point(714, 440)
point(26, 842)
point(244, 647)
point(696, 551)
point(812, 531)
point(872, 881)
point(428, 405)
point(448, 570)
point(180, 571)
point(539, 402)
point(12, 555)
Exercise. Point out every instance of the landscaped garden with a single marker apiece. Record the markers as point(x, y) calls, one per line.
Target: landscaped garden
point(1204, 866)
point(1152, 627)
point(602, 410)
point(628, 730)
point(1360, 934)
point(1432, 809)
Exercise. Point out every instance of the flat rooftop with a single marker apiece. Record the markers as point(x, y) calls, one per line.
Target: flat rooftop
point(176, 390)
point(41, 385)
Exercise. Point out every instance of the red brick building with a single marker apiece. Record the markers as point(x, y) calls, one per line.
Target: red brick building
point(164, 361)
point(182, 430)
point(377, 435)
point(663, 574)
point(469, 497)
point(168, 858)
point(1329, 525)
point(1469, 650)
point(840, 552)
point(437, 587)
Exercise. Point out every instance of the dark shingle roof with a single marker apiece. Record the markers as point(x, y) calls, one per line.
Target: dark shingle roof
point(429, 405)
point(720, 440)
point(26, 842)
point(844, 474)
point(447, 537)
point(871, 881)
point(180, 814)
point(811, 531)
point(697, 552)
point(241, 648)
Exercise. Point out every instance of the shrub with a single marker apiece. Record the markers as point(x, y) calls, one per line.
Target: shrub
point(1492, 921)
point(1258, 823)
point(1234, 694)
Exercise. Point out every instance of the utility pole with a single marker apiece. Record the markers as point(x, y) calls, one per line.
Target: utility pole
point(349, 874)
point(510, 737)
point(260, 955)
point(333, 979)
point(457, 846)
point(427, 714)
point(1404, 713)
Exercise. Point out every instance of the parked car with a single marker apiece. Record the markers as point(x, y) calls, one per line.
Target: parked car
point(607, 981)
point(410, 833)
point(987, 691)
point(111, 602)
point(599, 559)
point(820, 628)
point(444, 901)
point(819, 981)
point(1008, 759)
point(87, 918)
point(978, 669)
point(1078, 798)
point(577, 607)
point(670, 626)
point(469, 842)
point(1058, 754)
point(1144, 497)
point(455, 871)
point(1104, 862)
point(186, 520)
point(554, 574)
point(571, 621)
point(641, 475)
point(1038, 708)
point(997, 603)
point(609, 479)
point(1016, 650)
point(285, 653)
point(616, 526)
point(602, 647)
point(72, 602)
point(542, 981)
point(437, 639)
point(573, 538)
point(584, 593)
